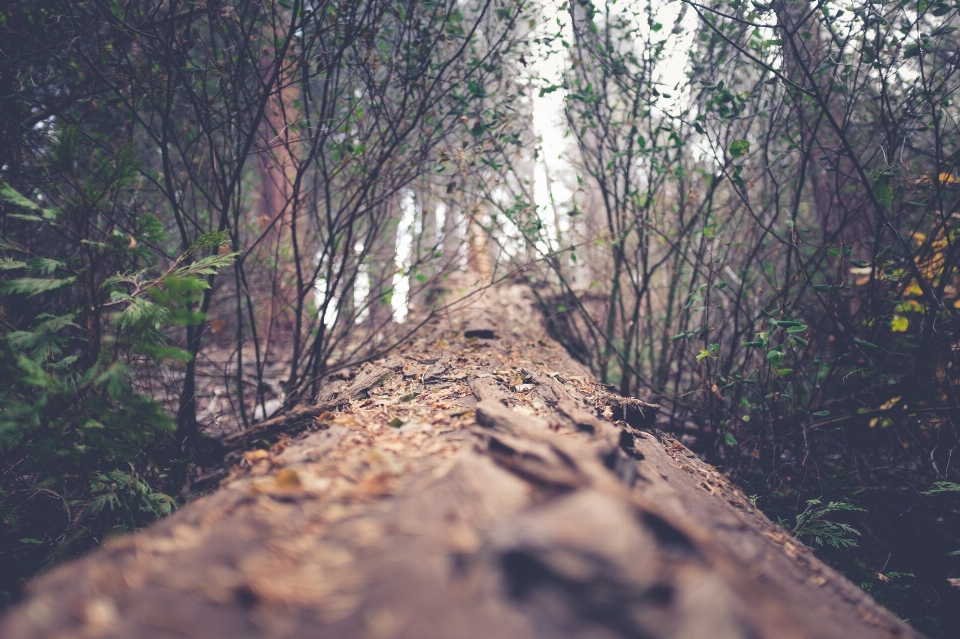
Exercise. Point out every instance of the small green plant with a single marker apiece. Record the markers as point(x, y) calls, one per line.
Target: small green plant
point(942, 487)
point(812, 524)
point(118, 490)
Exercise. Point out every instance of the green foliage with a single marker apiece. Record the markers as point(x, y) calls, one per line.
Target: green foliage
point(739, 148)
point(812, 524)
point(941, 487)
point(778, 260)
point(85, 453)
point(137, 154)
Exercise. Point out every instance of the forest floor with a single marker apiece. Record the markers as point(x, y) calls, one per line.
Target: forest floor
point(216, 380)
point(476, 483)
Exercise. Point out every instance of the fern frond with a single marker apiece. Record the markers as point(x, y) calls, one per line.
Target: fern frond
point(7, 264)
point(36, 285)
point(942, 487)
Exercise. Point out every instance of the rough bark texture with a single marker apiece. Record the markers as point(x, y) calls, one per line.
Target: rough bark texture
point(479, 486)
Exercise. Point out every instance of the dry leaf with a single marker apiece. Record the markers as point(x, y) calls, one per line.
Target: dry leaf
point(288, 478)
point(253, 456)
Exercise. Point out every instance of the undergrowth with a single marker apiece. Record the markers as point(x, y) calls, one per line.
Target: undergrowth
point(86, 297)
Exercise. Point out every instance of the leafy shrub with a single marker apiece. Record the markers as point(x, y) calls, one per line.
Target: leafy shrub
point(87, 291)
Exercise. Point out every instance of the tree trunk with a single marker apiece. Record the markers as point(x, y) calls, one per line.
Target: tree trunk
point(383, 265)
point(424, 284)
point(845, 215)
point(479, 260)
point(477, 483)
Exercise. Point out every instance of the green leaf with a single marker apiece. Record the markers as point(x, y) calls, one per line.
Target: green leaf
point(142, 312)
point(45, 266)
point(26, 218)
point(739, 148)
point(942, 487)
point(64, 363)
point(32, 542)
point(7, 264)
point(213, 239)
point(730, 440)
point(166, 353)
point(708, 352)
point(899, 324)
point(11, 195)
point(206, 266)
point(35, 285)
point(884, 193)
point(821, 413)
point(941, 9)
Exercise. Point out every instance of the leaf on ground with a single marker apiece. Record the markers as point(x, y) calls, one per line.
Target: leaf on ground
point(288, 478)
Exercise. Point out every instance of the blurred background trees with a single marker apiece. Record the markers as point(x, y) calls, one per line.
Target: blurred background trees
point(779, 233)
point(201, 207)
point(208, 208)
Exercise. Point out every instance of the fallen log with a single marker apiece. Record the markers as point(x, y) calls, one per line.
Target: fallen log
point(478, 484)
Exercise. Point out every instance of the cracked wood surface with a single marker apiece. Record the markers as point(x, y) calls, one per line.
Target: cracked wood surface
point(477, 483)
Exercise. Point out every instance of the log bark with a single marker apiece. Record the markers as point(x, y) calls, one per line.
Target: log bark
point(470, 486)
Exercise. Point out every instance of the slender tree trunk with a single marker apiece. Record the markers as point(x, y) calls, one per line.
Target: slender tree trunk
point(277, 171)
point(452, 239)
point(423, 293)
point(478, 249)
point(383, 265)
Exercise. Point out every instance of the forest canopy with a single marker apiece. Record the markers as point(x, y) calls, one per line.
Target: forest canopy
point(207, 209)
